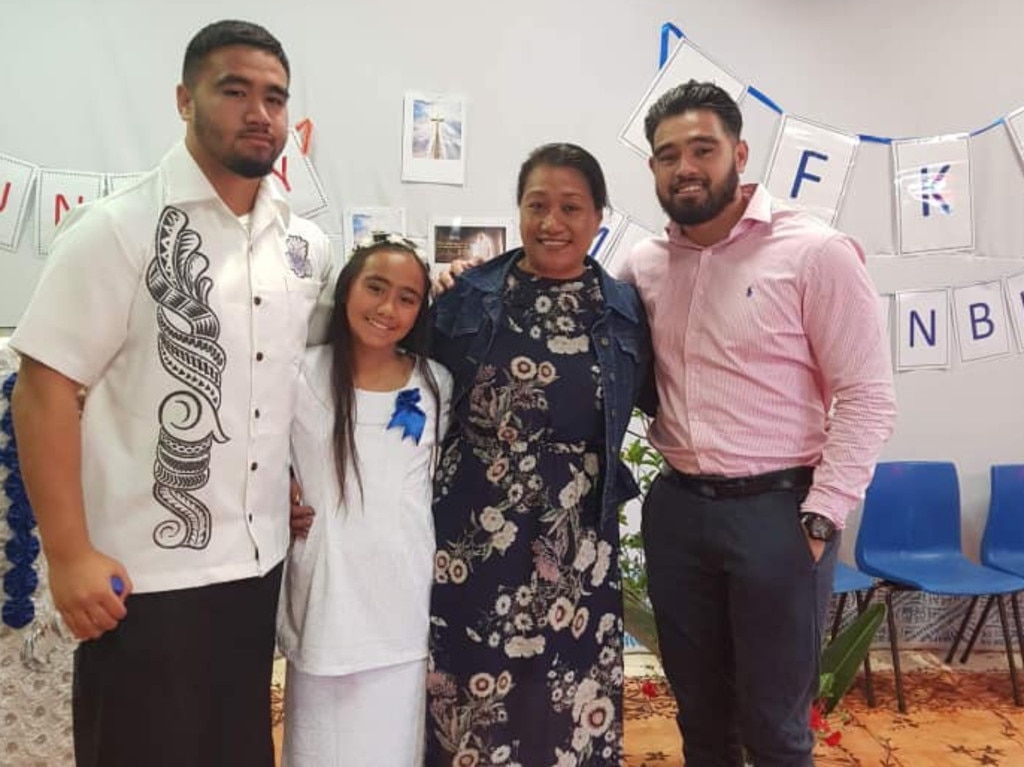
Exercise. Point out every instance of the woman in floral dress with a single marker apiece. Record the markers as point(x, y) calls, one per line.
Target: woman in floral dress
point(547, 354)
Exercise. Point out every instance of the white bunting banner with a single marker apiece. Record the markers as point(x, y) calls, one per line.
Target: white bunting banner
point(16, 178)
point(810, 166)
point(611, 227)
point(687, 61)
point(59, 192)
point(1014, 287)
point(982, 327)
point(1014, 123)
point(934, 210)
point(295, 174)
point(922, 326)
point(632, 233)
point(115, 182)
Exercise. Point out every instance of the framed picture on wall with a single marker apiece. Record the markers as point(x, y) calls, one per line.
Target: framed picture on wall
point(450, 239)
point(434, 138)
point(362, 221)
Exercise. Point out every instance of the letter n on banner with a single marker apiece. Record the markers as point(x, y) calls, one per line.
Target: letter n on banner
point(16, 179)
point(59, 192)
point(810, 166)
point(934, 208)
point(295, 175)
point(922, 325)
point(982, 327)
point(1014, 289)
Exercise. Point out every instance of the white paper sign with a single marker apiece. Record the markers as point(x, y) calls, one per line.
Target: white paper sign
point(687, 61)
point(362, 221)
point(1014, 123)
point(296, 176)
point(604, 240)
point(982, 326)
point(16, 178)
point(1014, 289)
point(934, 210)
point(632, 234)
point(434, 138)
point(922, 322)
point(59, 191)
point(810, 166)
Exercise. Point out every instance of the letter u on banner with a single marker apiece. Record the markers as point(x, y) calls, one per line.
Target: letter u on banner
point(982, 326)
point(922, 324)
point(810, 166)
point(934, 207)
point(16, 177)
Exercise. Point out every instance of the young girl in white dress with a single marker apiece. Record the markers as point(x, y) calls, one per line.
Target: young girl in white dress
point(354, 612)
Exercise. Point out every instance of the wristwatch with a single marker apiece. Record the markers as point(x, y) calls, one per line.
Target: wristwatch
point(818, 527)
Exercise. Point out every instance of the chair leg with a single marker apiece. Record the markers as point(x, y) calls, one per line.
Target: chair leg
point(1016, 619)
point(837, 620)
point(960, 631)
point(901, 704)
point(977, 629)
point(869, 687)
point(1009, 651)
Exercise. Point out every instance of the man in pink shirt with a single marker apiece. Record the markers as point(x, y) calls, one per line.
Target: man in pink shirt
point(775, 398)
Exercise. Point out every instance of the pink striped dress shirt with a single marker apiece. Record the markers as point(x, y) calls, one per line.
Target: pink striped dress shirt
point(754, 339)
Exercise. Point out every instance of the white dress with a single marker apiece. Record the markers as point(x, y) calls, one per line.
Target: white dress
point(354, 612)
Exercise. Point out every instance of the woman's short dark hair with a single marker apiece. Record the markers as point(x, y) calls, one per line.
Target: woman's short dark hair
point(694, 95)
point(566, 156)
point(221, 34)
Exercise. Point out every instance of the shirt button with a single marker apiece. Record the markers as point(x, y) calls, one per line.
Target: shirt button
point(250, 517)
point(254, 466)
point(611, 376)
point(257, 412)
point(259, 356)
point(257, 300)
point(605, 341)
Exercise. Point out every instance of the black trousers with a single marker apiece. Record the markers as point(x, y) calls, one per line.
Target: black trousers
point(183, 681)
point(740, 608)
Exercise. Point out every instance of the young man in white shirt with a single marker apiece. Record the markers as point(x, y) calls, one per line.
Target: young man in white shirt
point(183, 305)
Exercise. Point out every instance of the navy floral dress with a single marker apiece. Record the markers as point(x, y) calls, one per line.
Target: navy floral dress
point(526, 609)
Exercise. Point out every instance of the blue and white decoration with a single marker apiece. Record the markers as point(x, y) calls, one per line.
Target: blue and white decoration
point(20, 544)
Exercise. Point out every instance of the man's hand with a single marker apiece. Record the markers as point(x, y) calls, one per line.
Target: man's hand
point(84, 594)
point(301, 516)
point(446, 279)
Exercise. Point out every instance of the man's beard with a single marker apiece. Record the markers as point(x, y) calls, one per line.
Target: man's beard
point(248, 168)
point(691, 213)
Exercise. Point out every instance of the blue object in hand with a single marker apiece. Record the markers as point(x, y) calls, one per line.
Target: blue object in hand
point(117, 584)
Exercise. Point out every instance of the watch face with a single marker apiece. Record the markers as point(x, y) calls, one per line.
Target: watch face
point(818, 527)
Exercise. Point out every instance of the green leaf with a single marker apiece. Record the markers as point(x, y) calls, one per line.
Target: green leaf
point(844, 655)
point(639, 619)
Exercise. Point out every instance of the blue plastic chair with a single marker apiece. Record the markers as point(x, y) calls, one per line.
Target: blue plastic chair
point(909, 538)
point(849, 580)
point(1002, 545)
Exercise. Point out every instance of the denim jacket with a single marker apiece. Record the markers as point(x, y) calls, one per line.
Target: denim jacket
point(467, 316)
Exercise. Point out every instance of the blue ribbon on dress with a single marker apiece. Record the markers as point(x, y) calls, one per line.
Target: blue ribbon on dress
point(408, 415)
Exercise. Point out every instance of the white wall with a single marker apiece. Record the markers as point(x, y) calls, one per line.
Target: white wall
point(90, 86)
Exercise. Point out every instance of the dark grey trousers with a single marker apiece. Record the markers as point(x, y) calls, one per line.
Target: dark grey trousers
point(740, 607)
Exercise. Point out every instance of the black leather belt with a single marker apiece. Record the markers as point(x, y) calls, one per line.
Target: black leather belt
point(711, 486)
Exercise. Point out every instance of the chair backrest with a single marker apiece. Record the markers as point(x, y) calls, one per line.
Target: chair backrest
point(911, 507)
point(1004, 528)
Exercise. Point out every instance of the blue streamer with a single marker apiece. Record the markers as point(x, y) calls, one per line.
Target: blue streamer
point(764, 99)
point(668, 29)
point(22, 549)
point(408, 415)
point(990, 126)
point(868, 138)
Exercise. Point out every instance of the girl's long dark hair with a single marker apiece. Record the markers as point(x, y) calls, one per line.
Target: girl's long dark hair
point(339, 335)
